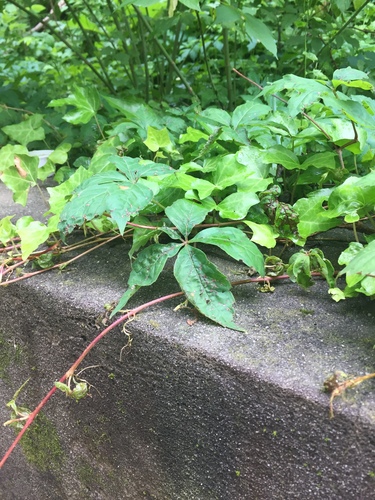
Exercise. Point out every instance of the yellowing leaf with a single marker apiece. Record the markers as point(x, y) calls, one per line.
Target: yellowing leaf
point(157, 139)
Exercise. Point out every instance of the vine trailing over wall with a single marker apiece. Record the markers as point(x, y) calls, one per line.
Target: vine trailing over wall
point(160, 160)
point(211, 170)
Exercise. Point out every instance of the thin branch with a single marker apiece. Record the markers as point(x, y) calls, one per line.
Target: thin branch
point(91, 45)
point(343, 27)
point(165, 53)
point(63, 40)
point(308, 117)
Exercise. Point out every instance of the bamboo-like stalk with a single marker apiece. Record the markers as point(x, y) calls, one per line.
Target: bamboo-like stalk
point(90, 44)
point(145, 59)
point(165, 53)
point(176, 47)
point(228, 70)
point(201, 33)
point(132, 75)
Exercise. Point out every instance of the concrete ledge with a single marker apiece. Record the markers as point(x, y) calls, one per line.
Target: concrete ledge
point(190, 412)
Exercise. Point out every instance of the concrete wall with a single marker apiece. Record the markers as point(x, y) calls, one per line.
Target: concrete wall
point(189, 412)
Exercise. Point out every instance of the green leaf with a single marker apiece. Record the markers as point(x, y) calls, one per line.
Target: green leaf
point(203, 188)
point(313, 217)
point(216, 115)
point(349, 253)
point(150, 262)
point(227, 16)
point(87, 24)
point(353, 198)
point(178, 180)
point(157, 139)
point(252, 157)
point(108, 192)
point(7, 154)
point(125, 299)
point(318, 262)
point(253, 185)
point(353, 110)
point(349, 74)
point(205, 286)
point(235, 243)
point(185, 214)
point(27, 131)
point(59, 155)
point(325, 161)
point(7, 229)
point(61, 194)
point(283, 156)
point(85, 99)
point(228, 171)
point(20, 184)
point(305, 92)
point(246, 113)
point(146, 269)
point(360, 272)
point(191, 4)
point(263, 234)
point(141, 236)
point(236, 205)
point(192, 135)
point(135, 168)
point(100, 162)
point(258, 30)
point(359, 84)
point(299, 269)
point(172, 233)
point(337, 294)
point(351, 77)
point(32, 233)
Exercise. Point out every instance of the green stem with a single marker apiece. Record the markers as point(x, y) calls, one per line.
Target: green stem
point(165, 53)
point(99, 23)
point(99, 127)
point(132, 76)
point(205, 57)
point(176, 46)
point(228, 68)
point(355, 233)
point(63, 40)
point(343, 27)
point(90, 44)
point(145, 59)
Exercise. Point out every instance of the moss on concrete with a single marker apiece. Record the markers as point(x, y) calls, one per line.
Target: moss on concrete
point(89, 477)
point(41, 445)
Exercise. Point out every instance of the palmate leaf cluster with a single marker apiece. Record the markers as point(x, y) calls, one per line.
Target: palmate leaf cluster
point(195, 156)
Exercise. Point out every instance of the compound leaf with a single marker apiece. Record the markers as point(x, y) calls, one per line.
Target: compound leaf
point(109, 192)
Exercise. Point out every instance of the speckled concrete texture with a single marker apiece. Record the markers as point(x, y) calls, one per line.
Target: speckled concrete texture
point(188, 412)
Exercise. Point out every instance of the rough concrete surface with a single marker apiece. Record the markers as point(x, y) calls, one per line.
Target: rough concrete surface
point(186, 412)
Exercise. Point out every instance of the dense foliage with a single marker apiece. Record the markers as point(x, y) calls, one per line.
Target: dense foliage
point(136, 110)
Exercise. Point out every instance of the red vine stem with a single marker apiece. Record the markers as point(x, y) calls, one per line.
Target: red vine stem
point(121, 319)
point(72, 369)
point(56, 266)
